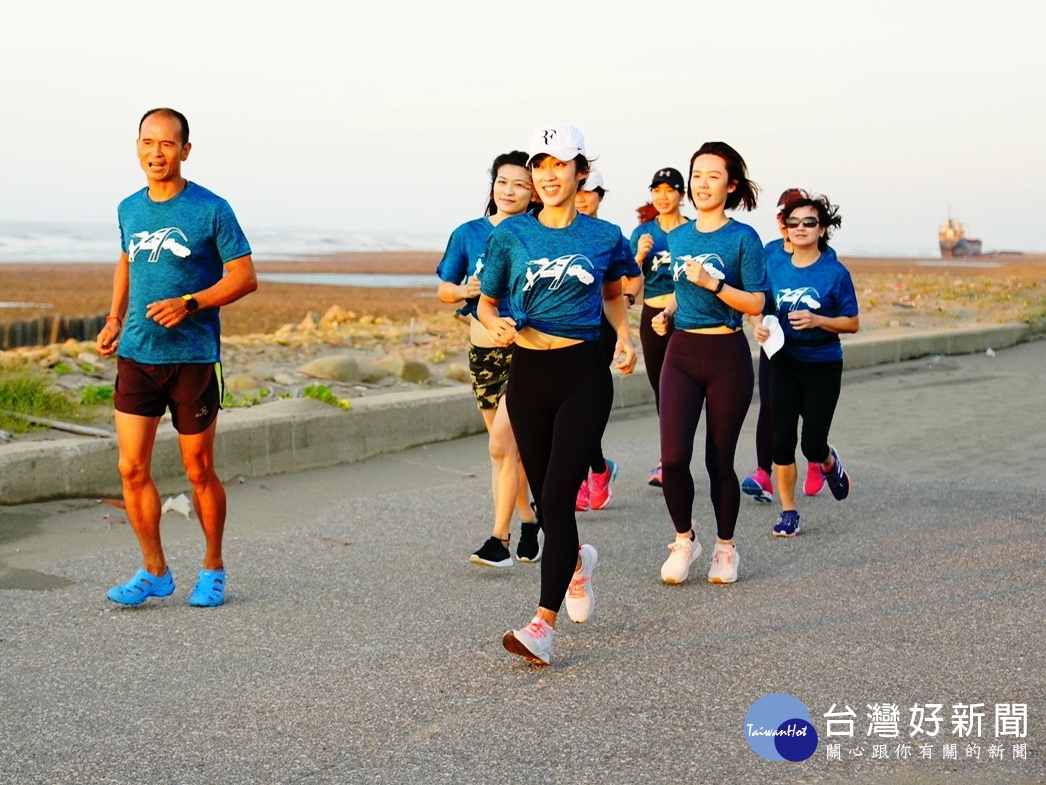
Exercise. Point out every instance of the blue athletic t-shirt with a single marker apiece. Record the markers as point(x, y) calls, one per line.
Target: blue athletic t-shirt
point(824, 288)
point(774, 251)
point(553, 278)
point(657, 266)
point(175, 248)
point(733, 252)
point(464, 258)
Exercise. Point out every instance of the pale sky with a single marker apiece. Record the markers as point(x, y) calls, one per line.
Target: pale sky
point(311, 113)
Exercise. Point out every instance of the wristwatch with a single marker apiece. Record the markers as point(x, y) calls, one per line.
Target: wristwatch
point(191, 306)
point(631, 298)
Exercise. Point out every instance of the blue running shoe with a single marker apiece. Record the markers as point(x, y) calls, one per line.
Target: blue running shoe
point(838, 480)
point(788, 524)
point(210, 589)
point(141, 587)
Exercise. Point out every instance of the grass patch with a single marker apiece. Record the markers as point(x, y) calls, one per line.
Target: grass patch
point(29, 394)
point(246, 400)
point(96, 395)
point(322, 393)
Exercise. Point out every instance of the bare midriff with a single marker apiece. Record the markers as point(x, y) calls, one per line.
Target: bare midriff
point(722, 329)
point(479, 335)
point(658, 301)
point(529, 338)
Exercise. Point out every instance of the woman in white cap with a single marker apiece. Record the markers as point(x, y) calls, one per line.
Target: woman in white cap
point(720, 276)
point(510, 193)
point(558, 270)
point(649, 244)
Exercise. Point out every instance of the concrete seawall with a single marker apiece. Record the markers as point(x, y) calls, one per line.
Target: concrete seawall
point(294, 435)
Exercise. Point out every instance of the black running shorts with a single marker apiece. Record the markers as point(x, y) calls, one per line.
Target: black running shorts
point(192, 391)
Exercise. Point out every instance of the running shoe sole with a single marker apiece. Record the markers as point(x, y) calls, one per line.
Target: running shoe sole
point(514, 645)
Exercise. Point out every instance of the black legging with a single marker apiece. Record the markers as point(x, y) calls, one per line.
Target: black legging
point(559, 402)
point(807, 390)
point(607, 344)
point(764, 425)
point(713, 371)
point(654, 347)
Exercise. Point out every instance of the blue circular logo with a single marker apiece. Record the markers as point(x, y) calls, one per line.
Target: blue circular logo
point(778, 727)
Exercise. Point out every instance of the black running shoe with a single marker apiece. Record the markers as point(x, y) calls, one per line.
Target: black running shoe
point(492, 554)
point(530, 542)
point(838, 480)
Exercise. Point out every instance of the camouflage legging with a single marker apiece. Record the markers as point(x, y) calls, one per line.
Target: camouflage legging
point(489, 369)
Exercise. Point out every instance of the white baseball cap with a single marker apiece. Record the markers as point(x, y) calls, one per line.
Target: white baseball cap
point(562, 141)
point(593, 181)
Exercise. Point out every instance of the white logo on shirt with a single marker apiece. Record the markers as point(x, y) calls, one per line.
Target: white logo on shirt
point(558, 270)
point(712, 263)
point(661, 259)
point(803, 296)
point(154, 242)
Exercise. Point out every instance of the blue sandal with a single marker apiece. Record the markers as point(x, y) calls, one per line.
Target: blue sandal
point(141, 587)
point(210, 589)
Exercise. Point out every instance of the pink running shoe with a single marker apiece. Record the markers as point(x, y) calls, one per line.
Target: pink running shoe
point(583, 502)
point(814, 482)
point(758, 486)
point(600, 486)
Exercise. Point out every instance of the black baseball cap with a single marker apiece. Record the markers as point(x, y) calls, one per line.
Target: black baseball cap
point(670, 176)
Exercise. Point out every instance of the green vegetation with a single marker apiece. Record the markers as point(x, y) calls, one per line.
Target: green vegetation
point(246, 400)
point(29, 395)
point(96, 395)
point(323, 394)
point(62, 368)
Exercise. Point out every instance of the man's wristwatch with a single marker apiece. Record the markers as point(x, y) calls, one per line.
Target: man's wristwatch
point(191, 306)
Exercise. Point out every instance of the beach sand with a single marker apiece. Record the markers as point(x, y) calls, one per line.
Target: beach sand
point(924, 293)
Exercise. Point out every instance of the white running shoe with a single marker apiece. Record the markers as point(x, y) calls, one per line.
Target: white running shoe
point(533, 643)
point(681, 554)
point(725, 560)
point(580, 598)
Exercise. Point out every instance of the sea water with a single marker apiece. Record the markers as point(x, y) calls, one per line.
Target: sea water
point(37, 241)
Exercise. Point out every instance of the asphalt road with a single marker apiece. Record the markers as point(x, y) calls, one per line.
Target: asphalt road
point(359, 646)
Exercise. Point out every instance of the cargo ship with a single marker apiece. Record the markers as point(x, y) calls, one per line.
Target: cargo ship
point(954, 242)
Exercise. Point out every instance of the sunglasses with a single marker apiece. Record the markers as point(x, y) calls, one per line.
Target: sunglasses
point(794, 223)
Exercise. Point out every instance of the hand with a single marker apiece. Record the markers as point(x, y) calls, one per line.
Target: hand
point(625, 356)
point(503, 331)
point(801, 320)
point(660, 321)
point(167, 313)
point(470, 289)
point(760, 333)
point(698, 275)
point(109, 338)
point(646, 242)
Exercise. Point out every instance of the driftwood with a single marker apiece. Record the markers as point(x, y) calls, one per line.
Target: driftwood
point(58, 425)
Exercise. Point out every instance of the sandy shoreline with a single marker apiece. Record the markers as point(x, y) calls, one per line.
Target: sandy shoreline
point(922, 293)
